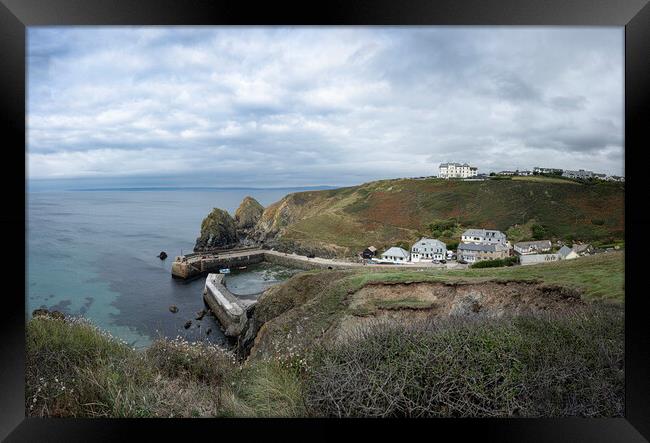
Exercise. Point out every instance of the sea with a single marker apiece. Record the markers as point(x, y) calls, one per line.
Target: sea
point(94, 253)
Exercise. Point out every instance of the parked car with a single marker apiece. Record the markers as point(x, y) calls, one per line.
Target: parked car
point(443, 262)
point(462, 262)
point(310, 256)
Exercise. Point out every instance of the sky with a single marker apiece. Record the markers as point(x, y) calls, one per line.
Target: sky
point(295, 106)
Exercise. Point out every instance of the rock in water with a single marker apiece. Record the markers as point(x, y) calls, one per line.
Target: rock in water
point(200, 314)
point(173, 309)
point(162, 255)
point(248, 213)
point(188, 324)
point(218, 230)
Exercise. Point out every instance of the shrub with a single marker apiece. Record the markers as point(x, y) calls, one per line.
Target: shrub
point(74, 369)
point(597, 222)
point(531, 366)
point(539, 232)
point(496, 263)
point(451, 246)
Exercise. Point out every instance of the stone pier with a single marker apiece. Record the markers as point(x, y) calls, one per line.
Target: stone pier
point(225, 305)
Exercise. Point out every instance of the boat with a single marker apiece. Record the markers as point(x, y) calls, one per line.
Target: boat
point(224, 271)
point(242, 267)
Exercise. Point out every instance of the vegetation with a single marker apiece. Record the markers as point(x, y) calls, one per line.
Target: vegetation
point(525, 366)
point(389, 212)
point(598, 277)
point(496, 263)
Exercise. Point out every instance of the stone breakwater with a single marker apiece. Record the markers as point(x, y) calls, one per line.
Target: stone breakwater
point(196, 264)
point(228, 309)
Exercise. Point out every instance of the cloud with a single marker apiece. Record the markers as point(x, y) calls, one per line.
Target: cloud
point(303, 105)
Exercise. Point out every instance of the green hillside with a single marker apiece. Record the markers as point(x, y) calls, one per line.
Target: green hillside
point(389, 212)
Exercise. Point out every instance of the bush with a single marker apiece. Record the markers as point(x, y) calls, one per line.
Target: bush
point(539, 232)
point(73, 369)
point(452, 246)
point(497, 263)
point(597, 222)
point(531, 366)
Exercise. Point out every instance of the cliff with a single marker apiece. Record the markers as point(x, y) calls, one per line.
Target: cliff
point(248, 213)
point(218, 230)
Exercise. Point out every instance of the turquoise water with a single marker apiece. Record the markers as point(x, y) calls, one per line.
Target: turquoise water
point(94, 253)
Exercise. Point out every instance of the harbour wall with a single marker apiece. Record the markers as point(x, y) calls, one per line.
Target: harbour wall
point(225, 305)
point(194, 265)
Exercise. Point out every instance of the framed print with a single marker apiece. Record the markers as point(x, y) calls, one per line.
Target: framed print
point(289, 218)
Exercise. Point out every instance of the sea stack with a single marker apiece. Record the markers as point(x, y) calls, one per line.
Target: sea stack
point(248, 213)
point(218, 230)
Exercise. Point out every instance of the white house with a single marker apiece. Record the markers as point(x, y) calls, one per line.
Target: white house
point(396, 255)
point(567, 253)
point(428, 249)
point(532, 247)
point(484, 236)
point(457, 170)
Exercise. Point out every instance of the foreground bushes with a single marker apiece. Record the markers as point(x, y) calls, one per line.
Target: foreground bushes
point(510, 367)
point(75, 370)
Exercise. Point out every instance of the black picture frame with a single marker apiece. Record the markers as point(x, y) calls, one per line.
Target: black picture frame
point(634, 15)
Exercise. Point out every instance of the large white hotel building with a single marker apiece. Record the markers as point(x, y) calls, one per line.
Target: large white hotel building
point(457, 170)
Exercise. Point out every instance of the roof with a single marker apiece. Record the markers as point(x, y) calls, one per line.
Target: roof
point(372, 248)
point(473, 247)
point(538, 243)
point(564, 251)
point(429, 241)
point(453, 164)
point(580, 248)
point(483, 233)
point(396, 252)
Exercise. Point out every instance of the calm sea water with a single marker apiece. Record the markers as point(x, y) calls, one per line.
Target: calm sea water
point(94, 253)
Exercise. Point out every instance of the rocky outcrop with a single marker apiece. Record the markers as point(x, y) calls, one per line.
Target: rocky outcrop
point(218, 230)
point(282, 214)
point(248, 213)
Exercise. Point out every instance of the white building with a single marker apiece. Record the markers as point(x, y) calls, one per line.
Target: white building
point(396, 255)
point(484, 236)
point(538, 170)
point(567, 253)
point(532, 247)
point(578, 174)
point(534, 259)
point(427, 249)
point(457, 170)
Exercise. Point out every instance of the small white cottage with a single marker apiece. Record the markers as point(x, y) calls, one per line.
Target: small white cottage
point(396, 255)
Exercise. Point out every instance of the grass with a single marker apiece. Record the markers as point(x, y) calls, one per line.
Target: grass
point(528, 367)
point(599, 277)
point(76, 370)
point(542, 179)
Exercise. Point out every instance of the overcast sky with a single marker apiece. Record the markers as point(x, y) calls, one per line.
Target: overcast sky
point(246, 106)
